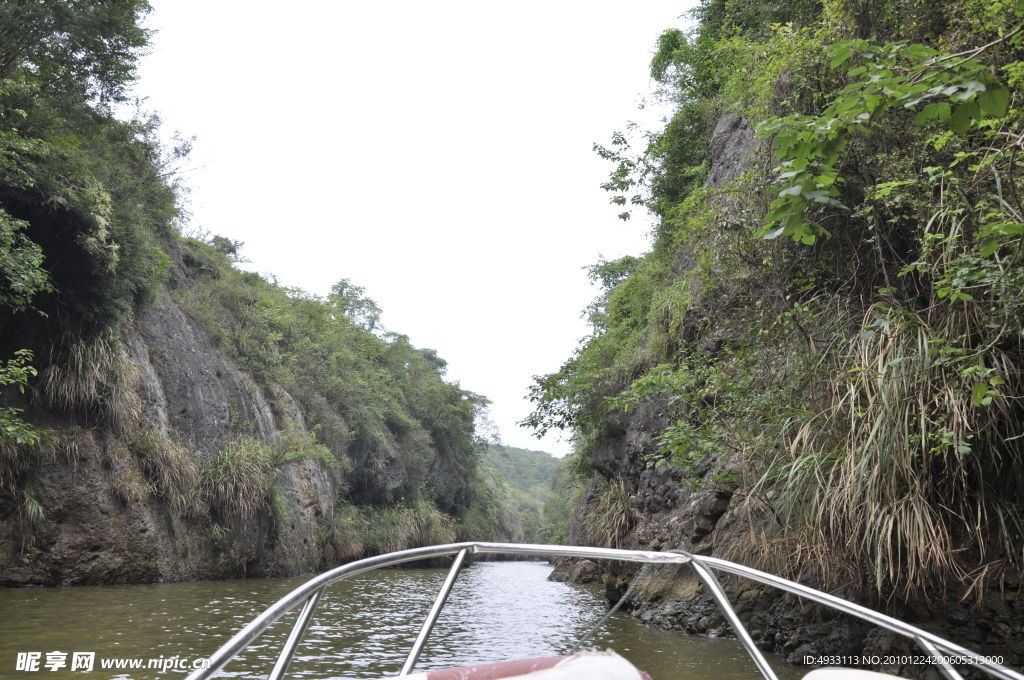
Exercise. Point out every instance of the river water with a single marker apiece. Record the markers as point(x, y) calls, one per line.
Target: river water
point(363, 628)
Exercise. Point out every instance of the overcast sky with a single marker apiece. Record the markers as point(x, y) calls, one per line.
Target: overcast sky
point(437, 154)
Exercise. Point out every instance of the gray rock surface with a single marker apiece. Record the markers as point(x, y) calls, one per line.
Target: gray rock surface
point(705, 516)
point(731, 145)
point(192, 395)
point(577, 571)
point(206, 400)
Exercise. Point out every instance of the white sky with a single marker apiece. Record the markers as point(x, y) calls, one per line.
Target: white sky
point(437, 154)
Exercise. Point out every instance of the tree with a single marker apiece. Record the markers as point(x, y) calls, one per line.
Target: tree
point(350, 301)
point(79, 47)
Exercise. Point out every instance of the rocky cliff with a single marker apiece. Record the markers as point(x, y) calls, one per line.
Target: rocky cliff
point(712, 508)
point(190, 394)
point(115, 502)
point(673, 513)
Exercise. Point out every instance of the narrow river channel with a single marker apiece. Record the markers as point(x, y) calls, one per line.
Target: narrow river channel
point(363, 628)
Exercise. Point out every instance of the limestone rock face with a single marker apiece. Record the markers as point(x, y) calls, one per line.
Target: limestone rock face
point(192, 395)
point(379, 475)
point(707, 512)
point(107, 520)
point(191, 388)
point(731, 145)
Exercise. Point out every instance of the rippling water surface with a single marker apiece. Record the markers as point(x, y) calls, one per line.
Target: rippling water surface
point(363, 628)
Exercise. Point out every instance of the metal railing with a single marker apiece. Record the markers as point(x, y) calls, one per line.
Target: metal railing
point(309, 593)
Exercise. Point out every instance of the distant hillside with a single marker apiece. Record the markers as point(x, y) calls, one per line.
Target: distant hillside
point(526, 477)
point(526, 470)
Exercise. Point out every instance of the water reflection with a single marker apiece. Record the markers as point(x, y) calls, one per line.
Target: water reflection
point(363, 628)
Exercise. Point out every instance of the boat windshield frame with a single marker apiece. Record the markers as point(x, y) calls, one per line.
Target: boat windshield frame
point(308, 595)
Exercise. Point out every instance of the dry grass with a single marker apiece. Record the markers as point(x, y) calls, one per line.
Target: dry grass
point(902, 472)
point(791, 557)
point(93, 375)
point(610, 516)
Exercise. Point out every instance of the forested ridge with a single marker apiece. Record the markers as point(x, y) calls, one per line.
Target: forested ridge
point(143, 365)
point(530, 479)
point(825, 340)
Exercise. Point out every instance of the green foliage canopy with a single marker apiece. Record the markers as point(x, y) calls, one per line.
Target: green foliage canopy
point(73, 48)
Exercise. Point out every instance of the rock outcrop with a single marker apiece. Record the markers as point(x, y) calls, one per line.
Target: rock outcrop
point(127, 492)
point(708, 513)
point(193, 395)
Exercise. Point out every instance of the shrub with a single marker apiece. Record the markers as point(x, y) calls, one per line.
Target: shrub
point(237, 483)
point(132, 487)
point(610, 515)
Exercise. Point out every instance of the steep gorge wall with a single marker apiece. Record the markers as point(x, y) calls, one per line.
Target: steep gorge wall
point(735, 525)
point(191, 394)
point(708, 512)
point(149, 388)
point(108, 516)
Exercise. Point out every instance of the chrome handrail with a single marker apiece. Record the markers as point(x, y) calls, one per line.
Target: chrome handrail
point(435, 611)
point(309, 593)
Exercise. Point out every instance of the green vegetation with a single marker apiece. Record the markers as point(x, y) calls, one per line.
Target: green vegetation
point(529, 472)
point(85, 212)
point(13, 430)
point(373, 395)
point(80, 188)
point(531, 494)
point(359, 532)
point(90, 218)
point(567, 487)
point(237, 483)
point(867, 370)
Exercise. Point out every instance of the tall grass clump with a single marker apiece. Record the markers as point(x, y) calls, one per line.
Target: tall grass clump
point(132, 487)
point(402, 527)
point(610, 515)
point(346, 541)
point(433, 527)
point(367, 530)
point(913, 470)
point(236, 485)
point(172, 469)
point(95, 376)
